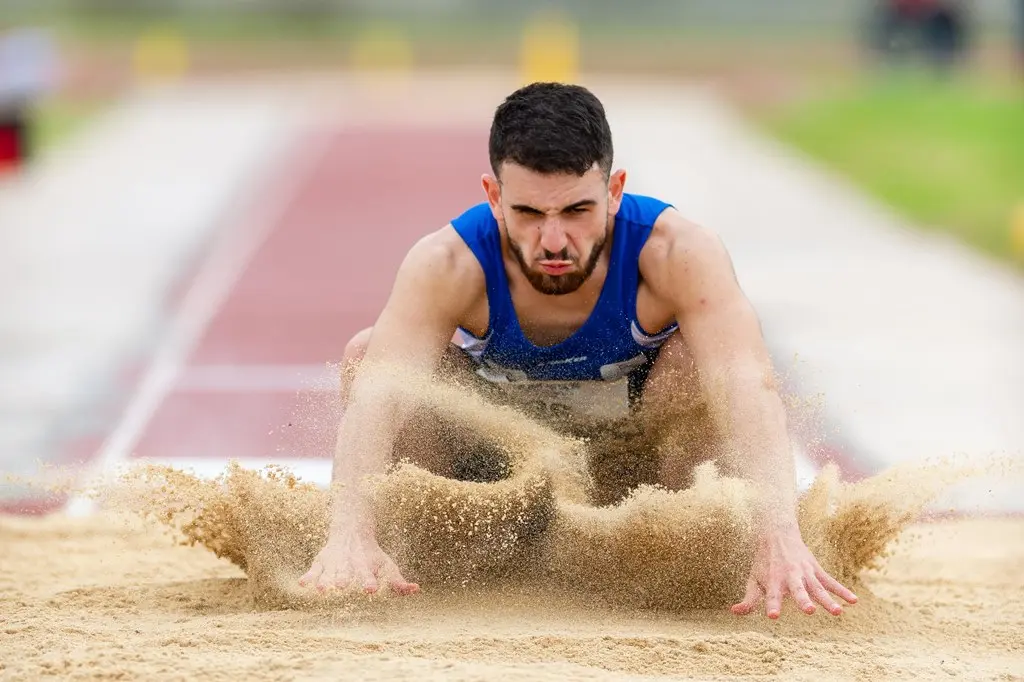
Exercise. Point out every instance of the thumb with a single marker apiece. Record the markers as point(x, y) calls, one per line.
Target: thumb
point(750, 599)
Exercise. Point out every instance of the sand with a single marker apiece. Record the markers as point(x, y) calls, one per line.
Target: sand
point(109, 599)
point(183, 578)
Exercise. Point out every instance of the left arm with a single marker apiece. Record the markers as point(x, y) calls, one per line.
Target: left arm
point(689, 267)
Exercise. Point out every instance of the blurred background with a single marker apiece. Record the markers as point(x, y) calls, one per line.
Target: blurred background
point(878, 89)
point(917, 105)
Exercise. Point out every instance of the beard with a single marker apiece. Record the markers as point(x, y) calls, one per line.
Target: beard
point(559, 285)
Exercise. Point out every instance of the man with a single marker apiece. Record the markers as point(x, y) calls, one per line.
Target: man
point(27, 72)
point(561, 277)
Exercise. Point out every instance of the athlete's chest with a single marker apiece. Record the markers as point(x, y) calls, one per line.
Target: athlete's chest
point(547, 325)
point(547, 321)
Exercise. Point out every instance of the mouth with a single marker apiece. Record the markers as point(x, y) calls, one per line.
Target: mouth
point(556, 267)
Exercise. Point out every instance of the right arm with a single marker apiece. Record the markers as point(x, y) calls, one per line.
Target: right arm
point(436, 284)
point(426, 304)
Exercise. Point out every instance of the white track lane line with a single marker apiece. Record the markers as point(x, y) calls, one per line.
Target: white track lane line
point(318, 471)
point(315, 471)
point(293, 379)
point(806, 470)
point(258, 378)
point(224, 265)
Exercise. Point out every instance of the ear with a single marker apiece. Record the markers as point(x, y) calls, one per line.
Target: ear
point(616, 186)
point(492, 190)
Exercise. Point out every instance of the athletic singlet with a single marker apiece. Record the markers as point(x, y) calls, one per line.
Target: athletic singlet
point(609, 346)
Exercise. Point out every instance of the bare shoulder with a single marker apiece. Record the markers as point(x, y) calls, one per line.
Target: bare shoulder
point(683, 256)
point(446, 257)
point(441, 268)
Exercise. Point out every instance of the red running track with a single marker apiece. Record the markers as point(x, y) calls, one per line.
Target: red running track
point(322, 273)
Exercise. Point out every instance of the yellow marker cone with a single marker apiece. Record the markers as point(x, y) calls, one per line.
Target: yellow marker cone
point(550, 49)
point(382, 47)
point(161, 54)
point(1017, 232)
point(382, 61)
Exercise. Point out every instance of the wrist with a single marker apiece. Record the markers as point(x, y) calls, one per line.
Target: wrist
point(779, 523)
point(347, 529)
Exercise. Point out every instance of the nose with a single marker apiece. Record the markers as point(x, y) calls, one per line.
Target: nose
point(552, 236)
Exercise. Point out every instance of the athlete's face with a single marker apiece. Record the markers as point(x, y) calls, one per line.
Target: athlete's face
point(557, 225)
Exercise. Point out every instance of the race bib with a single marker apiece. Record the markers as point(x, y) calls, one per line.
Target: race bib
point(594, 399)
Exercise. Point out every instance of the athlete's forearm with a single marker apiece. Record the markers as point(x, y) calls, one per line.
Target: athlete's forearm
point(366, 436)
point(752, 419)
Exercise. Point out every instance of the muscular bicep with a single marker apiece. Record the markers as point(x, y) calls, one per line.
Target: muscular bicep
point(432, 287)
point(429, 297)
point(716, 317)
point(695, 275)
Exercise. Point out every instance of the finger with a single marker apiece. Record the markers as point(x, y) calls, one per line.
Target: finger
point(404, 588)
point(324, 582)
point(389, 572)
point(370, 584)
point(773, 600)
point(750, 599)
point(312, 574)
point(799, 594)
point(835, 587)
point(334, 580)
point(822, 596)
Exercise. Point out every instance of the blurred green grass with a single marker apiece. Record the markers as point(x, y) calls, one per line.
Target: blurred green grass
point(57, 119)
point(948, 154)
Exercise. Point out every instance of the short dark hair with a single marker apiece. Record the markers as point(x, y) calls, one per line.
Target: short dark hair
point(551, 128)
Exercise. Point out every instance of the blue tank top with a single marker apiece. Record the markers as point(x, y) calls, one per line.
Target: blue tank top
point(610, 344)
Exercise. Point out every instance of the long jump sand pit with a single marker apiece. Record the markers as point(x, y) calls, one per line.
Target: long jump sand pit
point(189, 578)
point(95, 600)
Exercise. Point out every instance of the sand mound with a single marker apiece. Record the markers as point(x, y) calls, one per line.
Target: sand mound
point(656, 548)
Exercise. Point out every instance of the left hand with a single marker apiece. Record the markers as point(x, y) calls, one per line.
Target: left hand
point(784, 565)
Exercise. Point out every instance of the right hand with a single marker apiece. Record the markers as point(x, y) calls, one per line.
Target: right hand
point(353, 563)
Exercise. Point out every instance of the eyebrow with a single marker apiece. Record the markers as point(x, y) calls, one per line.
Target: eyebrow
point(585, 203)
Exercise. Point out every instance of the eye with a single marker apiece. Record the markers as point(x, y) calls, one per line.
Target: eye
point(576, 210)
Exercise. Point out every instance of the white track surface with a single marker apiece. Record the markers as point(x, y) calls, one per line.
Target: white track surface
point(915, 344)
point(95, 240)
